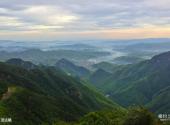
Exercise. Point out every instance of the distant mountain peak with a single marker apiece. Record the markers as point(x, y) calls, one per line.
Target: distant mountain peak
point(19, 62)
point(161, 59)
point(102, 71)
point(70, 68)
point(63, 60)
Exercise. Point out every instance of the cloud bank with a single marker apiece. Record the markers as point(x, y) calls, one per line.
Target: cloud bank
point(84, 18)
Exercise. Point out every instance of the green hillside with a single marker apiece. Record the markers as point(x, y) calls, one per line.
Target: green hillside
point(44, 95)
point(132, 116)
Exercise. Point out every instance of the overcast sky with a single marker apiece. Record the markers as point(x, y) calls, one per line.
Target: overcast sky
point(84, 19)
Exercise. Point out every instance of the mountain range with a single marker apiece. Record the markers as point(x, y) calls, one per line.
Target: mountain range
point(65, 92)
point(145, 83)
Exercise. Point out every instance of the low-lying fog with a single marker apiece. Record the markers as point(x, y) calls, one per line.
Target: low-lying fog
point(114, 51)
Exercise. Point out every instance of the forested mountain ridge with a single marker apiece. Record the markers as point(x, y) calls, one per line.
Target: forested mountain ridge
point(21, 63)
point(46, 95)
point(144, 83)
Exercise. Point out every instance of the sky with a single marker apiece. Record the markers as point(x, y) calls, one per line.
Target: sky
point(84, 19)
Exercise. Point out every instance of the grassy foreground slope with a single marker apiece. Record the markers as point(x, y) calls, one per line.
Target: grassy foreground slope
point(132, 116)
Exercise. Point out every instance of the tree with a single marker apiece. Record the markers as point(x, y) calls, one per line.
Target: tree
point(139, 116)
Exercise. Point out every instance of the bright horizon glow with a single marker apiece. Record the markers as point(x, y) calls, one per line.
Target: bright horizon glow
point(84, 19)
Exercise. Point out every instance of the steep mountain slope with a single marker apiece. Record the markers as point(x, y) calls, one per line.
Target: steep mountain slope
point(46, 95)
point(99, 76)
point(70, 68)
point(139, 83)
point(160, 101)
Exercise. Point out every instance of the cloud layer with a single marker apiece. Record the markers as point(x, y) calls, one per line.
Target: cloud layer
point(82, 17)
